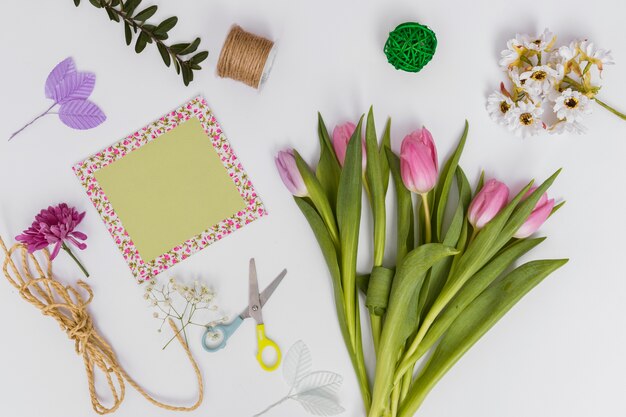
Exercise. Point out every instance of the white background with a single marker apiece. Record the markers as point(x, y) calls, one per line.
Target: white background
point(560, 352)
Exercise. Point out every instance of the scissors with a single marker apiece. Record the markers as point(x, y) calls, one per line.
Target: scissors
point(215, 337)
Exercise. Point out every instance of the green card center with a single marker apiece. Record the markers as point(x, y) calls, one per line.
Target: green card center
point(170, 190)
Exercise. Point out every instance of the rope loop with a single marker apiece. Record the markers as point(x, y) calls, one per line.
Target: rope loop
point(68, 306)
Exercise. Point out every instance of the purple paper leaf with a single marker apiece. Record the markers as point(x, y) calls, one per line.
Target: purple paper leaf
point(81, 114)
point(58, 73)
point(76, 86)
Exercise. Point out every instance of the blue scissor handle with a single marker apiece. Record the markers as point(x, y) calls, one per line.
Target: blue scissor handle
point(222, 332)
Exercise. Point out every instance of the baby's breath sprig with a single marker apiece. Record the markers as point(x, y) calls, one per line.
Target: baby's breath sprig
point(181, 302)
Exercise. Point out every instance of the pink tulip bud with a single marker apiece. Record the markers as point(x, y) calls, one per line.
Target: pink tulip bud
point(539, 215)
point(341, 138)
point(419, 165)
point(289, 173)
point(487, 204)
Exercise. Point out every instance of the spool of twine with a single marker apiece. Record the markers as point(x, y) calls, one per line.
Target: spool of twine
point(245, 57)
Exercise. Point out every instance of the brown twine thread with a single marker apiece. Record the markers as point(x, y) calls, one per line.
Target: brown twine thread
point(68, 307)
point(243, 56)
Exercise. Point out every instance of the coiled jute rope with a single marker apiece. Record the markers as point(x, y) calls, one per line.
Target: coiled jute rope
point(244, 57)
point(68, 306)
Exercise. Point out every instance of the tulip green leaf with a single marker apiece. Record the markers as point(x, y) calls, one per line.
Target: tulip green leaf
point(406, 284)
point(376, 188)
point(328, 169)
point(330, 255)
point(473, 288)
point(405, 227)
point(349, 221)
point(483, 247)
point(475, 320)
point(445, 183)
point(524, 210)
point(481, 182)
point(384, 164)
point(318, 196)
point(557, 207)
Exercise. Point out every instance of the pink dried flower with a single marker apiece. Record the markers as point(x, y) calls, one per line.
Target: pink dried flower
point(55, 225)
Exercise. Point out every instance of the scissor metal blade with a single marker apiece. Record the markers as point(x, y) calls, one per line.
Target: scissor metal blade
point(269, 290)
point(266, 294)
point(254, 300)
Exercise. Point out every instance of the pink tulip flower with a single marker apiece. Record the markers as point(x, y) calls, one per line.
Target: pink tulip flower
point(419, 165)
point(290, 174)
point(539, 215)
point(487, 204)
point(341, 138)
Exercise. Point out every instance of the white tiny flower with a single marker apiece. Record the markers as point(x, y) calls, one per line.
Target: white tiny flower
point(538, 80)
point(568, 52)
point(514, 75)
point(572, 105)
point(155, 315)
point(511, 56)
point(525, 119)
point(564, 126)
point(499, 107)
point(595, 55)
point(540, 43)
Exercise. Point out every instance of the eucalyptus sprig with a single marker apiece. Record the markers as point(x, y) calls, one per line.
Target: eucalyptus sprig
point(135, 22)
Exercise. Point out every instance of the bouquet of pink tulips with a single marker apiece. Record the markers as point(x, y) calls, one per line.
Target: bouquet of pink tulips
point(453, 278)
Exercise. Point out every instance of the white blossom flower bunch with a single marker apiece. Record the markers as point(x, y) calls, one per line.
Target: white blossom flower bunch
point(183, 303)
point(551, 88)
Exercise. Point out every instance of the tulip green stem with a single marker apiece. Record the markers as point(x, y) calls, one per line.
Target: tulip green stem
point(406, 384)
point(395, 400)
point(379, 252)
point(474, 233)
point(611, 109)
point(409, 359)
point(376, 322)
point(427, 221)
point(69, 252)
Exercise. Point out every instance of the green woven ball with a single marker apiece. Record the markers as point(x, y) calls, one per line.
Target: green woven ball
point(410, 46)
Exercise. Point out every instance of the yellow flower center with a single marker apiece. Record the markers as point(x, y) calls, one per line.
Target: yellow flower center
point(526, 119)
point(539, 75)
point(504, 107)
point(537, 42)
point(571, 102)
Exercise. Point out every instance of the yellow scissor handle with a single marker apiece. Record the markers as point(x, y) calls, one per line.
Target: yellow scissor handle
point(263, 342)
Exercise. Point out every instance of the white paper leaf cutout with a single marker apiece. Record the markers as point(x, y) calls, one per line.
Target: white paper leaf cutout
point(315, 391)
point(320, 382)
point(297, 363)
point(319, 405)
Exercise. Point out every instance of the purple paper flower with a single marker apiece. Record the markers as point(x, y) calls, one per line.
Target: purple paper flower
point(55, 226)
point(70, 89)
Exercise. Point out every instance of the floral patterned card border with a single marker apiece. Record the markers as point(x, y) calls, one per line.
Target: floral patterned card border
point(141, 268)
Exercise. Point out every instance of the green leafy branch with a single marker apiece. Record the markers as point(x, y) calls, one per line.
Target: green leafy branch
point(135, 22)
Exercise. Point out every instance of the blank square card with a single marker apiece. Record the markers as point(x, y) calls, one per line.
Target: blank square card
point(170, 189)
